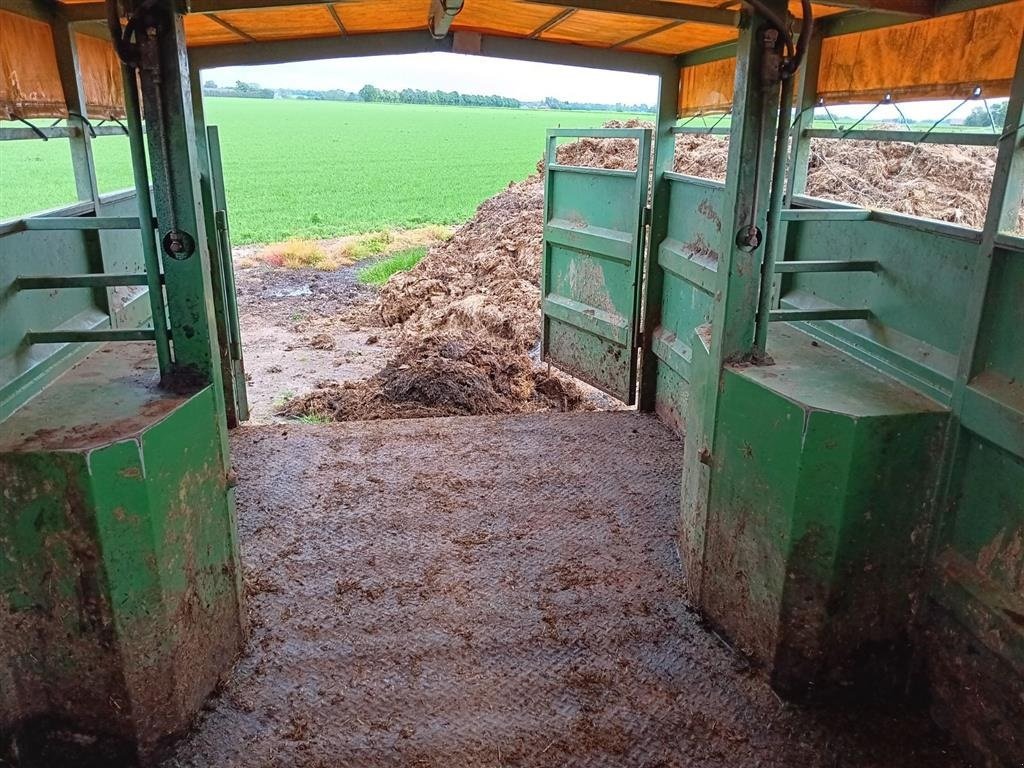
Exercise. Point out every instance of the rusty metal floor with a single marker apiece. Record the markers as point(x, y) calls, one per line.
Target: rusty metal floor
point(493, 592)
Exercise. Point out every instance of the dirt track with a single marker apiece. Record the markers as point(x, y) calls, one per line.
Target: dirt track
point(474, 592)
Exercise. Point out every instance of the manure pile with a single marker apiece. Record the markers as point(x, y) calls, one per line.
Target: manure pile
point(469, 312)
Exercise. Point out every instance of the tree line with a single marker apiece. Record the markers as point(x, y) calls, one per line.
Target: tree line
point(373, 94)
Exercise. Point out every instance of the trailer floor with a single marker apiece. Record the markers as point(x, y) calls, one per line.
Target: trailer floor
point(497, 591)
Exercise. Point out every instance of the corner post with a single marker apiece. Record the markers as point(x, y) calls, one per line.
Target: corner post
point(731, 335)
point(664, 155)
point(74, 97)
point(181, 218)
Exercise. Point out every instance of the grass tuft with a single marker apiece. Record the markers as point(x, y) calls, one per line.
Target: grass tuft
point(294, 254)
point(379, 272)
point(365, 246)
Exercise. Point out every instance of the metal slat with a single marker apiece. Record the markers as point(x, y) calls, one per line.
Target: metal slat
point(42, 282)
point(56, 132)
point(805, 315)
point(49, 223)
point(70, 336)
point(914, 137)
point(826, 214)
point(867, 265)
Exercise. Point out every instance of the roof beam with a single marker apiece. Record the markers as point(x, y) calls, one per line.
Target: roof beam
point(915, 8)
point(420, 41)
point(442, 13)
point(652, 9)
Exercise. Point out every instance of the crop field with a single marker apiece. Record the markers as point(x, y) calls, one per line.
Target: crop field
point(319, 169)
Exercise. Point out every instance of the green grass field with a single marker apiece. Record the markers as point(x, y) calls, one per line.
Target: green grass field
point(321, 169)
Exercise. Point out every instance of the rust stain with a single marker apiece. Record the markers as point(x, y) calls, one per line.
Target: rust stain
point(708, 211)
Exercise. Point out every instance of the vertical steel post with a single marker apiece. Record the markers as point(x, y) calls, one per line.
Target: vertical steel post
point(80, 141)
point(150, 254)
point(748, 173)
point(773, 235)
point(1005, 200)
point(170, 132)
point(664, 156)
point(74, 96)
point(800, 145)
point(806, 99)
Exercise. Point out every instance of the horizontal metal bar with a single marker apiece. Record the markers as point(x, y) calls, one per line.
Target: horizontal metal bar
point(866, 265)
point(698, 131)
point(598, 133)
point(82, 222)
point(913, 137)
point(697, 181)
point(804, 315)
point(1009, 242)
point(905, 220)
point(420, 41)
point(597, 241)
point(676, 259)
point(672, 351)
point(56, 132)
point(826, 214)
point(653, 9)
point(590, 171)
point(70, 336)
point(606, 325)
point(36, 282)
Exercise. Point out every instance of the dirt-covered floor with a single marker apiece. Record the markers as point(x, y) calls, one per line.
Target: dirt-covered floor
point(494, 591)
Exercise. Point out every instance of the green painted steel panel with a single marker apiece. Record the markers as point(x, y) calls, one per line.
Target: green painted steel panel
point(24, 370)
point(120, 592)
point(915, 295)
point(593, 254)
point(819, 499)
point(688, 257)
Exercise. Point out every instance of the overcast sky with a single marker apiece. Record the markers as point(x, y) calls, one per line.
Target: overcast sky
point(479, 74)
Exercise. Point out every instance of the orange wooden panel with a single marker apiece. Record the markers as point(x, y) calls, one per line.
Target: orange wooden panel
point(101, 77)
point(504, 17)
point(200, 30)
point(600, 29)
point(284, 23)
point(682, 38)
point(390, 16)
point(941, 58)
point(29, 80)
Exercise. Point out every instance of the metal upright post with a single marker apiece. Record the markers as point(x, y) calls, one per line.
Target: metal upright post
point(1005, 201)
point(144, 205)
point(664, 155)
point(731, 339)
point(171, 135)
point(80, 139)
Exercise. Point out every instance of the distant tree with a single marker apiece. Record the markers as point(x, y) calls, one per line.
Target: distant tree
point(370, 93)
point(209, 84)
point(979, 116)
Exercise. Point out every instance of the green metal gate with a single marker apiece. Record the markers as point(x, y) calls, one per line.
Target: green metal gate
point(594, 226)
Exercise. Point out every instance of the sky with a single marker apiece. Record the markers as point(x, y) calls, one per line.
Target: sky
point(526, 81)
point(523, 80)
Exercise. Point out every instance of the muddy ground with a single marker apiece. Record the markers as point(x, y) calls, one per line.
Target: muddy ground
point(304, 326)
point(310, 329)
point(495, 591)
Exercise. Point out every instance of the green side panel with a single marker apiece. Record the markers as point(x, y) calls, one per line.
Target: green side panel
point(120, 592)
point(593, 253)
point(57, 636)
point(688, 259)
point(916, 295)
point(819, 505)
point(24, 369)
point(975, 629)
